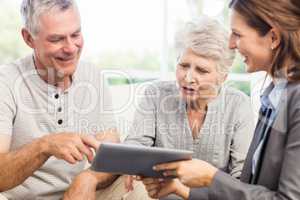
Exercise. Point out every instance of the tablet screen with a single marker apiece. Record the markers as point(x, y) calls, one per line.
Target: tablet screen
point(135, 160)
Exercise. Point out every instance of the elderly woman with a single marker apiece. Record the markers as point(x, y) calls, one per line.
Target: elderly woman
point(269, 42)
point(198, 112)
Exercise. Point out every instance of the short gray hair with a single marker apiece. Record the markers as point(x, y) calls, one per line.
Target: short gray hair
point(207, 38)
point(32, 9)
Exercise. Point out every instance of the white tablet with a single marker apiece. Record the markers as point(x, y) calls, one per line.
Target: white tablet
point(135, 160)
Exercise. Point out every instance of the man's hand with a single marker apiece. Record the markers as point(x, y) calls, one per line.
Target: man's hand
point(70, 147)
point(83, 187)
point(108, 136)
point(159, 188)
point(129, 182)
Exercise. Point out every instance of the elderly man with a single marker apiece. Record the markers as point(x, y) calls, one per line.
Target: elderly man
point(53, 111)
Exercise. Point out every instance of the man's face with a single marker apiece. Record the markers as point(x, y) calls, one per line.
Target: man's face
point(59, 41)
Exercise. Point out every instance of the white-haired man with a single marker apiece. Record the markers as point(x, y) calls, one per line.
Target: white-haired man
point(53, 111)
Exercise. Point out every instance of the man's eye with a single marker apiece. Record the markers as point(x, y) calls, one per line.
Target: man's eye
point(55, 40)
point(76, 35)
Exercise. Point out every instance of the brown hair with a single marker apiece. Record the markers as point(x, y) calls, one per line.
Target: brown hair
point(285, 16)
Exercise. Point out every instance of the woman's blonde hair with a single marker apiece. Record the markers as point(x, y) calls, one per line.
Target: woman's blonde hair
point(207, 38)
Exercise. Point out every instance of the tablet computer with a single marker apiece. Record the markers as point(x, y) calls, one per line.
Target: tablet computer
point(135, 160)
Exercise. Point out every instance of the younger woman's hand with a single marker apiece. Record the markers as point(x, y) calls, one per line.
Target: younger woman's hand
point(159, 188)
point(192, 173)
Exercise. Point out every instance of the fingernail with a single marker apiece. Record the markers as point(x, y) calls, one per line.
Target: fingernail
point(154, 168)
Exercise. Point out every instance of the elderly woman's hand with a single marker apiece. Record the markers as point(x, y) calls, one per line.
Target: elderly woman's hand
point(159, 188)
point(192, 173)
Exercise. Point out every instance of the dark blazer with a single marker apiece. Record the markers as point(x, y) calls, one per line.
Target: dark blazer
point(278, 174)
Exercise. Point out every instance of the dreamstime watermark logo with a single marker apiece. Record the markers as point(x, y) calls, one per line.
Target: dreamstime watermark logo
point(142, 97)
point(29, 96)
point(146, 99)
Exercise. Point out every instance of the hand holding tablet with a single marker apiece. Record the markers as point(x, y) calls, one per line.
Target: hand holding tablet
point(135, 160)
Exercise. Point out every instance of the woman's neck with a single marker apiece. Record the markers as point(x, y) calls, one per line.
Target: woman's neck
point(197, 106)
point(196, 113)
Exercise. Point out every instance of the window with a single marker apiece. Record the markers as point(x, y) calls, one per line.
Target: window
point(135, 36)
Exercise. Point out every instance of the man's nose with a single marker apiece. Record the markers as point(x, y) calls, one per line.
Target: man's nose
point(70, 46)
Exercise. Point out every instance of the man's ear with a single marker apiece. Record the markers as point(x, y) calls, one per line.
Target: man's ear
point(27, 37)
point(275, 38)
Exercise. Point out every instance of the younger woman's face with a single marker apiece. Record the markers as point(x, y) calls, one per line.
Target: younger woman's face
point(255, 49)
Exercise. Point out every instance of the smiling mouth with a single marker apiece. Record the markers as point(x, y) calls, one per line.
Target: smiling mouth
point(66, 59)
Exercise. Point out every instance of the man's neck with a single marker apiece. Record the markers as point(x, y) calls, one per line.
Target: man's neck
point(53, 77)
point(63, 84)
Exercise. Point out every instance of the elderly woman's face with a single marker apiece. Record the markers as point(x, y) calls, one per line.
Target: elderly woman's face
point(197, 77)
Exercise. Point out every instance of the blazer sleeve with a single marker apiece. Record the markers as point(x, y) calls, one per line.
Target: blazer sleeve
point(199, 194)
point(225, 187)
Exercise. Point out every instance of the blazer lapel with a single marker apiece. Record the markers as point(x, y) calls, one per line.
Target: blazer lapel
point(247, 169)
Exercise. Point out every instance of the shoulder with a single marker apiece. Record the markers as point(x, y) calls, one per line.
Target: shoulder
point(162, 94)
point(87, 66)
point(291, 96)
point(161, 88)
point(234, 97)
point(87, 70)
point(91, 75)
point(10, 73)
point(15, 68)
point(293, 91)
point(236, 105)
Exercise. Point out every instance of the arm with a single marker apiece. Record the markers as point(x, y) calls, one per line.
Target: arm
point(160, 188)
point(243, 134)
point(85, 185)
point(224, 187)
point(16, 166)
point(105, 179)
point(19, 164)
point(209, 182)
point(143, 130)
point(188, 172)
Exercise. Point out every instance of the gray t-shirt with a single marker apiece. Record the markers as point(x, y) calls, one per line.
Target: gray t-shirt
point(30, 108)
point(161, 120)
